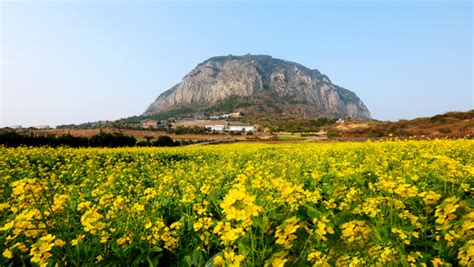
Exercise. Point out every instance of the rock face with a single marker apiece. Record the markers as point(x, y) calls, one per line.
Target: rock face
point(257, 84)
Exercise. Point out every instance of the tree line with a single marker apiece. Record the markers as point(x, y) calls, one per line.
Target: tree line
point(102, 139)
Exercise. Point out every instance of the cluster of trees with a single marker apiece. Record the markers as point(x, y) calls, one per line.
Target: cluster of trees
point(13, 139)
point(382, 130)
point(294, 123)
point(187, 130)
point(119, 124)
point(160, 141)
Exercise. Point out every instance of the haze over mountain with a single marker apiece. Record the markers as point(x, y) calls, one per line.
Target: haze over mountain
point(258, 85)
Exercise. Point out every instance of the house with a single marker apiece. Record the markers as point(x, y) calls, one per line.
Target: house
point(240, 127)
point(149, 124)
point(225, 126)
point(215, 128)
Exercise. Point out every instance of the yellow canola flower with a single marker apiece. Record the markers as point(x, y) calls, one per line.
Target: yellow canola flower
point(59, 202)
point(322, 227)
point(414, 190)
point(232, 259)
point(76, 240)
point(218, 260)
point(205, 189)
point(137, 208)
point(227, 233)
point(91, 220)
point(355, 232)
point(402, 235)
point(318, 259)
point(285, 233)
point(430, 197)
point(59, 243)
point(148, 225)
point(4, 206)
point(466, 253)
point(40, 251)
point(239, 205)
point(278, 259)
point(7, 254)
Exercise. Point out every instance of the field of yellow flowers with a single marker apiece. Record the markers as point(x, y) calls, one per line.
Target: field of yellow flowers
point(398, 203)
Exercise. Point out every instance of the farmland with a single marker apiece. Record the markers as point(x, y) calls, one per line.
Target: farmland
point(307, 204)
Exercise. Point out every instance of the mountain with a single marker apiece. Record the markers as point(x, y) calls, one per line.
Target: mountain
point(258, 85)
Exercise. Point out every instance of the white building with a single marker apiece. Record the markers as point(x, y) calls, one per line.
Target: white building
point(240, 127)
point(231, 127)
point(215, 128)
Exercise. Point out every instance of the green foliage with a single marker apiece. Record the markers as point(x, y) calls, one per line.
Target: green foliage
point(293, 123)
point(228, 105)
point(187, 130)
point(163, 141)
point(13, 139)
point(333, 133)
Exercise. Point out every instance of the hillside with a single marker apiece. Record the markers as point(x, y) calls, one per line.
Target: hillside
point(257, 85)
point(450, 124)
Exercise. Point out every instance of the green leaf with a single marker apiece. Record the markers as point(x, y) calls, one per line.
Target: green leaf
point(312, 212)
point(156, 249)
point(438, 245)
point(470, 202)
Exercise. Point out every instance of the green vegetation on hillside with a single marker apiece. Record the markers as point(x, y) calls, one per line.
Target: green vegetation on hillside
point(292, 123)
point(451, 124)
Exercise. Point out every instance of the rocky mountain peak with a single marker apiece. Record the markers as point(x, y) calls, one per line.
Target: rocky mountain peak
point(258, 84)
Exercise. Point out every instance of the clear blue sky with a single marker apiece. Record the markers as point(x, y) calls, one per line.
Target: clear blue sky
point(97, 60)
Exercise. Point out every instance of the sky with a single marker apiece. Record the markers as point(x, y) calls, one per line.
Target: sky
point(65, 62)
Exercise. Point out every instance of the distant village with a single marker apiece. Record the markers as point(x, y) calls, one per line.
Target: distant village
point(213, 123)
